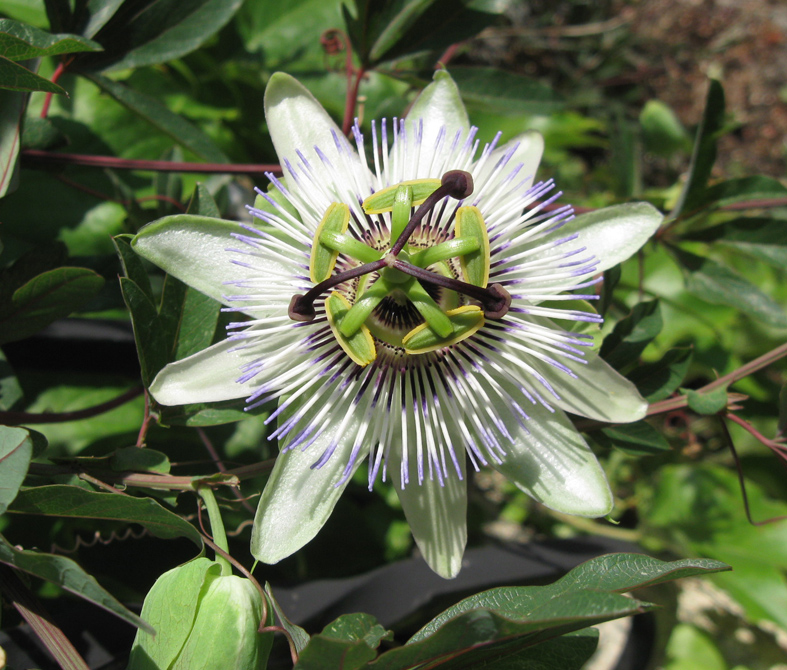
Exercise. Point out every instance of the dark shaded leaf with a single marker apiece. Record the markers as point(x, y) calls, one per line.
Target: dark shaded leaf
point(42, 134)
point(76, 502)
point(299, 636)
point(611, 280)
point(135, 459)
point(10, 389)
point(504, 92)
point(704, 154)
point(632, 334)
point(67, 574)
point(656, 381)
point(19, 41)
point(764, 238)
point(12, 111)
point(162, 119)
point(152, 341)
point(568, 652)
point(16, 450)
point(744, 188)
point(147, 32)
point(16, 77)
point(636, 439)
point(388, 31)
point(46, 298)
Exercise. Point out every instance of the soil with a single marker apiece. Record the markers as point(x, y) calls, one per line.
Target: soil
point(742, 43)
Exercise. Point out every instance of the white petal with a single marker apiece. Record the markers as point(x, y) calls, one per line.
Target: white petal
point(438, 106)
point(207, 376)
point(550, 461)
point(598, 392)
point(196, 250)
point(297, 499)
point(298, 122)
point(437, 515)
point(615, 233)
point(528, 152)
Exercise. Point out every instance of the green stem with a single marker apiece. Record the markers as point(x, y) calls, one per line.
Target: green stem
point(216, 528)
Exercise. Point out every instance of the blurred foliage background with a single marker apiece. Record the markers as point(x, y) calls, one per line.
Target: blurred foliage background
point(621, 92)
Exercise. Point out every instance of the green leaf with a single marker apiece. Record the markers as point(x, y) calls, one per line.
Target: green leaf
point(782, 429)
point(19, 41)
point(704, 154)
point(698, 508)
point(59, 14)
point(170, 608)
point(16, 77)
point(503, 622)
point(346, 644)
point(662, 131)
point(67, 574)
point(75, 502)
point(49, 296)
point(162, 119)
point(635, 439)
point(763, 238)
point(656, 381)
point(16, 450)
point(611, 280)
point(157, 32)
point(719, 285)
point(690, 648)
point(711, 402)
point(300, 637)
point(631, 335)
point(504, 92)
point(285, 30)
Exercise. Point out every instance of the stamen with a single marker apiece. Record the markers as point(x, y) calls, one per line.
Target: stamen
point(457, 184)
point(495, 299)
point(302, 306)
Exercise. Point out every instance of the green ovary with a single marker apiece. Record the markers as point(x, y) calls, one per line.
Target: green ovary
point(409, 316)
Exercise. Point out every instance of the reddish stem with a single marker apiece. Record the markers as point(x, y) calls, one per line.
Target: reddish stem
point(37, 155)
point(59, 70)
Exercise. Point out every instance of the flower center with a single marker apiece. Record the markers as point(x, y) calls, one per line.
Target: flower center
point(404, 278)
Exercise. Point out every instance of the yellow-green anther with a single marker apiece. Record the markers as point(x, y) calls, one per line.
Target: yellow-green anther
point(445, 250)
point(359, 347)
point(323, 258)
point(363, 307)
point(402, 206)
point(349, 246)
point(382, 201)
point(435, 317)
point(475, 265)
point(464, 321)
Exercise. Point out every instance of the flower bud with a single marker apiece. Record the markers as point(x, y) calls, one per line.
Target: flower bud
point(203, 621)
